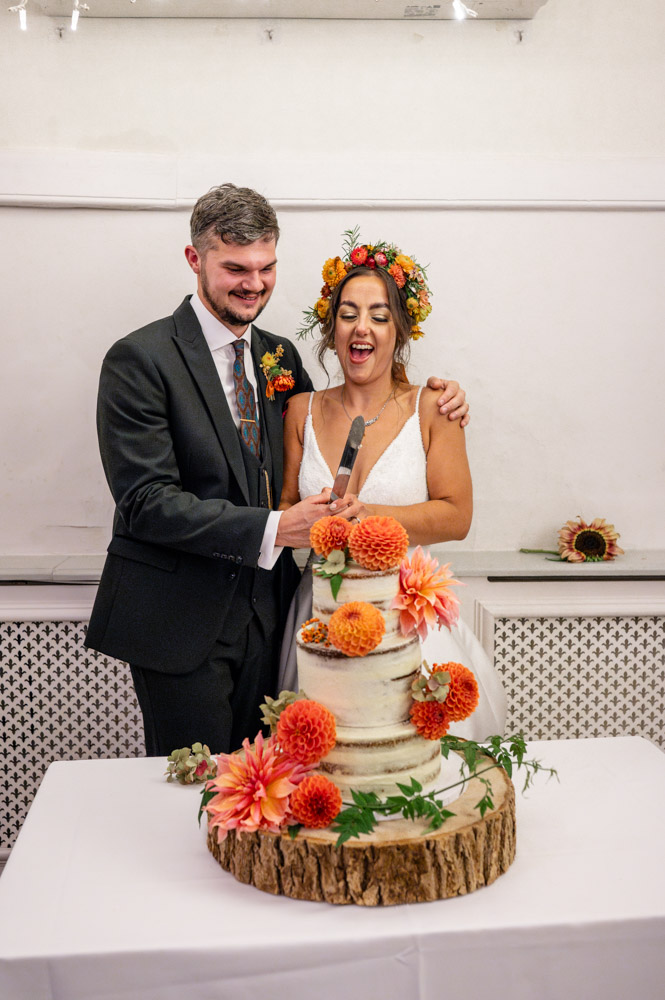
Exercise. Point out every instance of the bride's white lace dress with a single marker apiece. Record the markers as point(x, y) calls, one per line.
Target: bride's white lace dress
point(382, 486)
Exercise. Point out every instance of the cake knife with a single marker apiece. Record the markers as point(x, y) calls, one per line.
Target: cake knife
point(348, 458)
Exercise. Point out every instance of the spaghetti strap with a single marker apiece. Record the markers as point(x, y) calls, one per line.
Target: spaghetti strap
point(309, 408)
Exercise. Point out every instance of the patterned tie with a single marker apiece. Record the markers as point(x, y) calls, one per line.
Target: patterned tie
point(249, 427)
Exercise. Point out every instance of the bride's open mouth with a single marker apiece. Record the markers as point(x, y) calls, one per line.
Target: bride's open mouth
point(360, 351)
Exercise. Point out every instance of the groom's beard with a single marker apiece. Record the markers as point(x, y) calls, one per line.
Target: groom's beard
point(226, 313)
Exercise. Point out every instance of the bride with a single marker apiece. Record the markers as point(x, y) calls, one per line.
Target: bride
point(412, 464)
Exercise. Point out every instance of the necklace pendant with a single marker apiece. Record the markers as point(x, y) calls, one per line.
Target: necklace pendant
point(373, 420)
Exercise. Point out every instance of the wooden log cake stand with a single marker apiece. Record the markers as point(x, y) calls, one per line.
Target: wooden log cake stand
point(397, 863)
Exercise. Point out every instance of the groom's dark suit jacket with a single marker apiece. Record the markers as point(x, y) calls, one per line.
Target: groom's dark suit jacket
point(185, 532)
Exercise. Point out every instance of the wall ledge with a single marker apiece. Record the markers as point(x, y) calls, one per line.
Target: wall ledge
point(638, 564)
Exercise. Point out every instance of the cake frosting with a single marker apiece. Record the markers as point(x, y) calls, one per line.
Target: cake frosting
point(371, 695)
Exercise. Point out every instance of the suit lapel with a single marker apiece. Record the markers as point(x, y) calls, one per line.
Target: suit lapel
point(270, 411)
point(196, 354)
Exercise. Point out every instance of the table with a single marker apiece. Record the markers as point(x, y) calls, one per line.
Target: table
point(111, 894)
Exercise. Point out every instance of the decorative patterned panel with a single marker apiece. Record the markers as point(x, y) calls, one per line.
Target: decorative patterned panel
point(574, 677)
point(58, 701)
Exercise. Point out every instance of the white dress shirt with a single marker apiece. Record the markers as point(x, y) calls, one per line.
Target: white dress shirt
point(220, 339)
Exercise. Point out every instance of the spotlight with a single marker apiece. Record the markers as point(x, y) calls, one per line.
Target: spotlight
point(461, 11)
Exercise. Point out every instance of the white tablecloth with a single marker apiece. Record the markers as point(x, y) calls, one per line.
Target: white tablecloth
point(111, 894)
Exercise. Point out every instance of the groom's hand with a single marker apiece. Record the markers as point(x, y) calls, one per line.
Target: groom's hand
point(452, 400)
point(295, 522)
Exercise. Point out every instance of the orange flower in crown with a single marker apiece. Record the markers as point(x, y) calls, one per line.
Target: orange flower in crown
point(334, 270)
point(322, 307)
point(409, 276)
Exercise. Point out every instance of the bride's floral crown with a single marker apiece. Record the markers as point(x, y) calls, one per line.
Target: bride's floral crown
point(404, 270)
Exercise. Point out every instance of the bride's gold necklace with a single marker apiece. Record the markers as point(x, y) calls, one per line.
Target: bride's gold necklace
point(374, 419)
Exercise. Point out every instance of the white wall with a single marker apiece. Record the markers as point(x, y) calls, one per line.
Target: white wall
point(549, 312)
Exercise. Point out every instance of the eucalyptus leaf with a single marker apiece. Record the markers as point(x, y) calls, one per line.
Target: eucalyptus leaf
point(206, 795)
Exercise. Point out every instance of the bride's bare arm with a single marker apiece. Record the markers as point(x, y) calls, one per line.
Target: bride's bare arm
point(294, 423)
point(447, 515)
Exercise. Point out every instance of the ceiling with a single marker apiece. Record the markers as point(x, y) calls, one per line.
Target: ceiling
point(397, 10)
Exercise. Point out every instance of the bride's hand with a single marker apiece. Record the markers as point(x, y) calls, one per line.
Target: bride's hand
point(348, 506)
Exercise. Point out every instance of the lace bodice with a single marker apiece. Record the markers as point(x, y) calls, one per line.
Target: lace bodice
point(398, 477)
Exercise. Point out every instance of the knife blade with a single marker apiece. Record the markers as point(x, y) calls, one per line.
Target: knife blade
point(353, 442)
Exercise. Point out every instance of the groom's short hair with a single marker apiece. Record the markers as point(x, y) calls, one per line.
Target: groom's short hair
point(234, 214)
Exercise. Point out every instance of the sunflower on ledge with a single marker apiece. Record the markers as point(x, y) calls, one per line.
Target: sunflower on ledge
point(582, 542)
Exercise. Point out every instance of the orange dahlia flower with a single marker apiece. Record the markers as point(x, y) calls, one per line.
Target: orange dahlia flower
point(425, 598)
point(431, 718)
point(315, 802)
point(356, 628)
point(595, 542)
point(378, 542)
point(463, 694)
point(329, 533)
point(253, 788)
point(306, 731)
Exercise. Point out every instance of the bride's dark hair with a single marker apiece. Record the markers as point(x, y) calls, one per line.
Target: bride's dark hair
point(400, 315)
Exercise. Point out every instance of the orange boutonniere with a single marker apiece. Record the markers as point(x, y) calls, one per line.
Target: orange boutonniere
point(278, 379)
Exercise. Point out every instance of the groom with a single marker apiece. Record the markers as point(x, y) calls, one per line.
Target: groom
point(199, 572)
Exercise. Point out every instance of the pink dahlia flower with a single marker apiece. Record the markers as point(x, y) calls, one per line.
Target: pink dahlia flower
point(253, 788)
point(425, 598)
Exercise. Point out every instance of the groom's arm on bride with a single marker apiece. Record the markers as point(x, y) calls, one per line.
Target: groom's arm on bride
point(299, 515)
point(452, 400)
point(447, 514)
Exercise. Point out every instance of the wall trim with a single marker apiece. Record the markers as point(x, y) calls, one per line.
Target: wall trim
point(50, 603)
point(61, 178)
point(334, 205)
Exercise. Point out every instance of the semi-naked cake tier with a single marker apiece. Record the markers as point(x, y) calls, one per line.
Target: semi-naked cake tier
point(370, 696)
point(358, 584)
